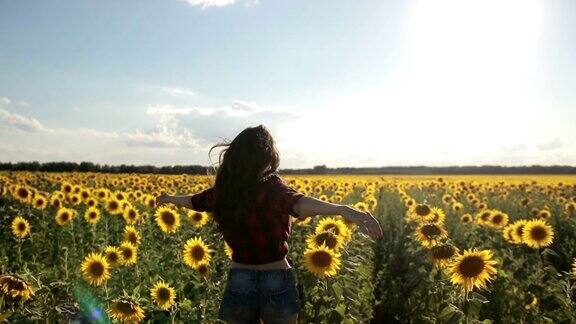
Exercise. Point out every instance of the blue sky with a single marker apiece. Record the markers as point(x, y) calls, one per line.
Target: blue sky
point(342, 83)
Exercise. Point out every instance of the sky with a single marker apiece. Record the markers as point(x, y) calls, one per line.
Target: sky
point(340, 83)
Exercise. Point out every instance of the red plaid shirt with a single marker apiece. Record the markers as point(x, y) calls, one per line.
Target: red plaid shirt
point(268, 225)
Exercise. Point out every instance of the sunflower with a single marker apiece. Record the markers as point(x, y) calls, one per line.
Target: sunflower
point(430, 234)
point(456, 206)
point(91, 202)
point(168, 219)
point(533, 304)
point(123, 205)
point(544, 214)
point(438, 216)
point(498, 220)
point(198, 219)
point(15, 287)
point(131, 215)
point(22, 194)
point(129, 253)
point(466, 218)
point(84, 194)
point(334, 225)
point(409, 202)
point(518, 231)
point(473, 269)
point(56, 202)
point(362, 206)
point(307, 221)
point(570, 208)
point(163, 295)
point(95, 269)
point(507, 233)
point(113, 256)
point(126, 310)
point(537, 233)
point(132, 235)
point(327, 238)
point(66, 187)
point(525, 202)
point(149, 201)
point(203, 269)
point(228, 250)
point(484, 217)
point(442, 255)
point(119, 195)
point(102, 194)
point(196, 252)
point(39, 202)
point(92, 215)
point(64, 216)
point(420, 213)
point(372, 202)
point(75, 199)
point(113, 206)
point(20, 227)
point(322, 261)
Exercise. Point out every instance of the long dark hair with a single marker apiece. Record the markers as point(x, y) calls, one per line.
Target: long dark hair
point(243, 163)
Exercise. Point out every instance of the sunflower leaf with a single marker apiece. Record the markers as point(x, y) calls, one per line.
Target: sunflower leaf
point(337, 290)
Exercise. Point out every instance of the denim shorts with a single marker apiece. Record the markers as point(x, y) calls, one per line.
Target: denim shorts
point(252, 294)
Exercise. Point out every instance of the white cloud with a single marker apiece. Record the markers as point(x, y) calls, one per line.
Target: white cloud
point(236, 109)
point(32, 125)
point(552, 145)
point(209, 3)
point(23, 104)
point(199, 127)
point(175, 91)
point(161, 138)
point(23, 123)
point(166, 134)
point(5, 100)
point(88, 132)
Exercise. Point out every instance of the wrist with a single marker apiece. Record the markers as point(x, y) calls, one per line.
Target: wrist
point(343, 210)
point(169, 199)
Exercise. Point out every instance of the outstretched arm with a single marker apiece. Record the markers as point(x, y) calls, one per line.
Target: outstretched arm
point(202, 201)
point(180, 201)
point(310, 206)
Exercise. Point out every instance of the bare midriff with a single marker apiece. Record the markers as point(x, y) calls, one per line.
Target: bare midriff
point(280, 264)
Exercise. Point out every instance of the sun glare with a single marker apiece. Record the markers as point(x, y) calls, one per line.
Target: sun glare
point(467, 63)
point(489, 44)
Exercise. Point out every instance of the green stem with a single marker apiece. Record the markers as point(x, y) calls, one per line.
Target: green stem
point(105, 230)
point(106, 292)
point(73, 237)
point(66, 263)
point(20, 252)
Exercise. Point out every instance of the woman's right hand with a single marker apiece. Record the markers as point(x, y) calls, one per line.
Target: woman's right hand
point(365, 221)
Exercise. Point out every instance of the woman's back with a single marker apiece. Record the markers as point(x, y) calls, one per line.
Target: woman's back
point(262, 236)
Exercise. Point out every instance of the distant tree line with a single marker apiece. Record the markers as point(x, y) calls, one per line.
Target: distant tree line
point(319, 169)
point(447, 170)
point(93, 167)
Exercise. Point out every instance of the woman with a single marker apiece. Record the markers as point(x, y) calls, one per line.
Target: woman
point(252, 205)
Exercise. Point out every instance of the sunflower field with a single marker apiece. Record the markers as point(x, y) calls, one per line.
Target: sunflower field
point(93, 247)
